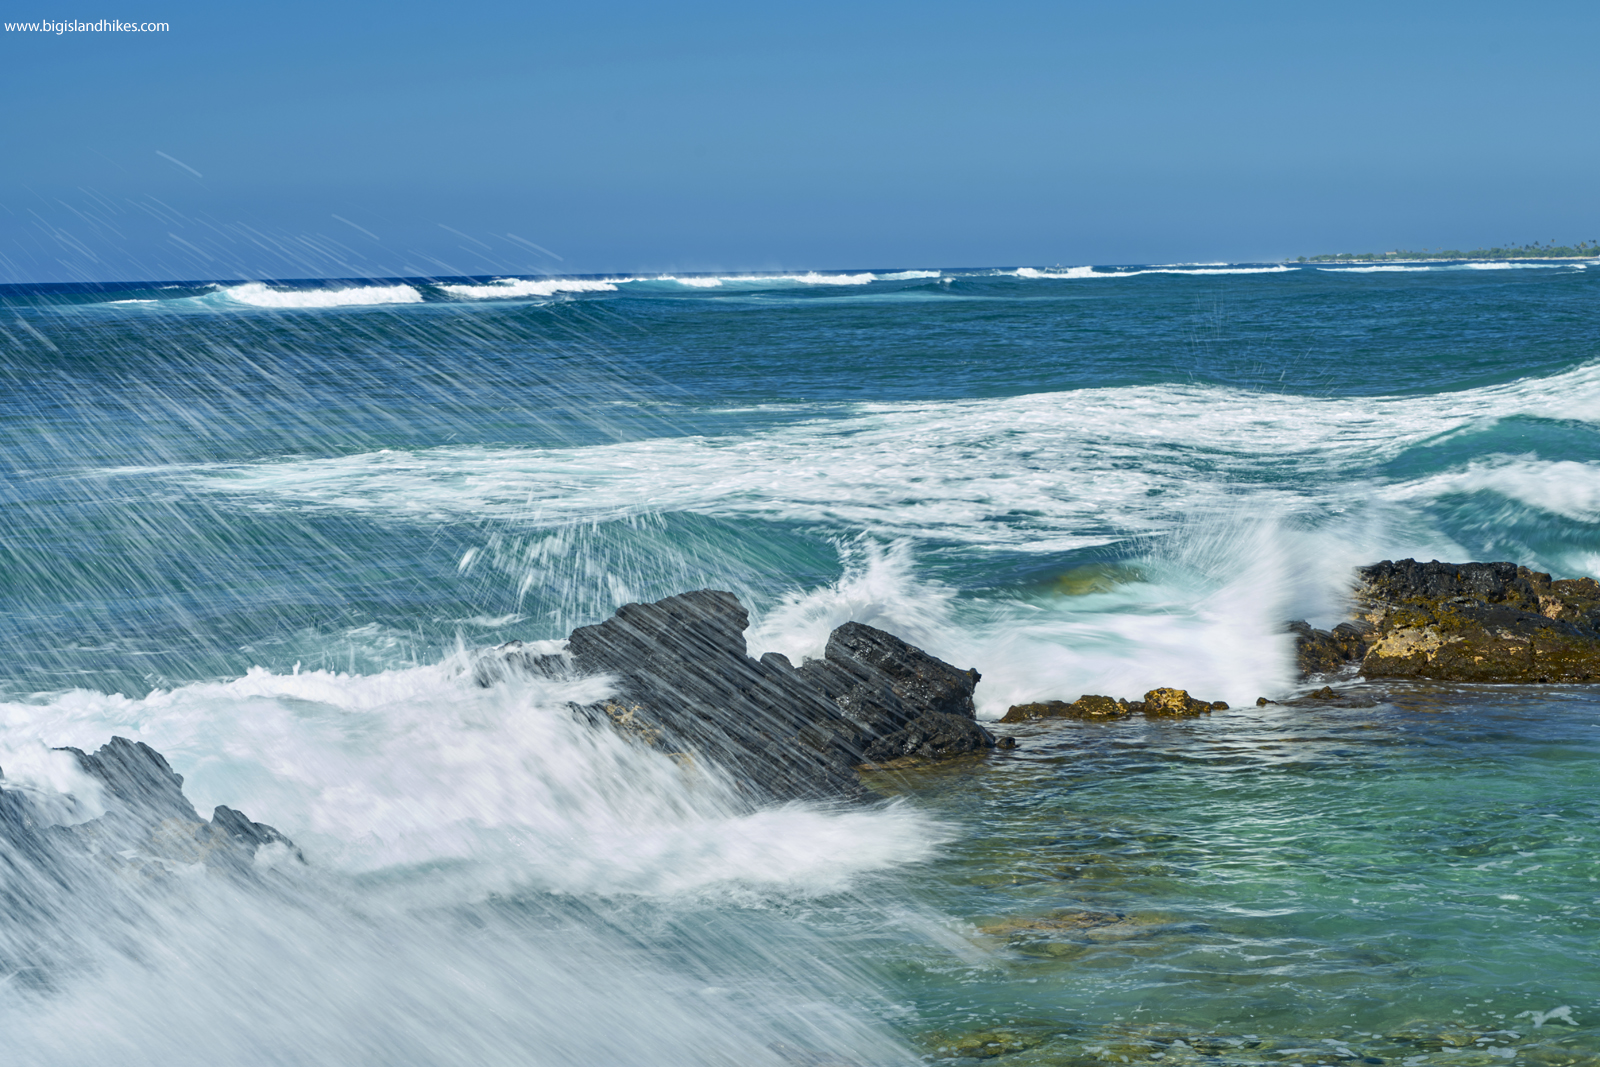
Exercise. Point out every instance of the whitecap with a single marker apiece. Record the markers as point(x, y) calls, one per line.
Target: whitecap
point(1098, 272)
point(257, 294)
point(504, 288)
point(808, 278)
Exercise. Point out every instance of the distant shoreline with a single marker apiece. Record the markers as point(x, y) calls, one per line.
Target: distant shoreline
point(1444, 259)
point(1496, 254)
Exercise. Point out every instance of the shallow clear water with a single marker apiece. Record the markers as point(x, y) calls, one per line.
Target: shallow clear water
point(259, 526)
point(1293, 873)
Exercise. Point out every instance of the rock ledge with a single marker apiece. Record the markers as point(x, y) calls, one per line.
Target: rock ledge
point(1462, 622)
point(686, 684)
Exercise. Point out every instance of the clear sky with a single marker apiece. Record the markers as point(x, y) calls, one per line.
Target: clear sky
point(298, 139)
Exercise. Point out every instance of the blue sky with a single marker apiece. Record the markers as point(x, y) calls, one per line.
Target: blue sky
point(413, 138)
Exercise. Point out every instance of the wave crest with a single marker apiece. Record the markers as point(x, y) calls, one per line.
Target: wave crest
point(257, 294)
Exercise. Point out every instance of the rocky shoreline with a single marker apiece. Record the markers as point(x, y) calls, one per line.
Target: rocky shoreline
point(148, 831)
point(685, 685)
point(1461, 622)
point(1442, 622)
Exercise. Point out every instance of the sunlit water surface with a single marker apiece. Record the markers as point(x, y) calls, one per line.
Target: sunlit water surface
point(262, 528)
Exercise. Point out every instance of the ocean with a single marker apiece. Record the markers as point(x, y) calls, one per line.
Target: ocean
point(263, 527)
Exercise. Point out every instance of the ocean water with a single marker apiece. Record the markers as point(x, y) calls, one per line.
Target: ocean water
point(262, 526)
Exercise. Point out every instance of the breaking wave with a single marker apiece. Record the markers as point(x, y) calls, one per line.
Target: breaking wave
point(521, 287)
point(259, 295)
point(1068, 273)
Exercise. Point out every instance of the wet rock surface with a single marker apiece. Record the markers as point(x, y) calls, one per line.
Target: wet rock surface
point(686, 683)
point(1463, 622)
point(1329, 697)
point(1329, 651)
point(148, 826)
point(1162, 703)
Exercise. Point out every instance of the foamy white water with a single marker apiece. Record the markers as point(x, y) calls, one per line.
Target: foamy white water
point(1077, 468)
point(504, 288)
point(421, 766)
point(1100, 272)
point(259, 295)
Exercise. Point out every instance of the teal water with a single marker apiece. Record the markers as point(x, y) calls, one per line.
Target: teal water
point(1392, 882)
point(262, 527)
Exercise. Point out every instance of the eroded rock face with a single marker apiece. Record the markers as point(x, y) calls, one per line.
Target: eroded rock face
point(685, 683)
point(1478, 622)
point(1157, 704)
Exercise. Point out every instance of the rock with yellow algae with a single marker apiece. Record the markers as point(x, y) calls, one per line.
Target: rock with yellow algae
point(1478, 622)
point(1157, 704)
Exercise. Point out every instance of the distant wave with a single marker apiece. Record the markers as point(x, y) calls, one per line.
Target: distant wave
point(908, 275)
point(808, 278)
point(695, 280)
point(1387, 268)
point(1487, 265)
point(503, 288)
point(1096, 272)
point(258, 295)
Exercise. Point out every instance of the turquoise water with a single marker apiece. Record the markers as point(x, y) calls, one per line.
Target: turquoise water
point(262, 527)
point(1371, 876)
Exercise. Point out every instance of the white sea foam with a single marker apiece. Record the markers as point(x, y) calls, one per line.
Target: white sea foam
point(258, 295)
point(1062, 272)
point(1218, 478)
point(503, 288)
point(815, 278)
point(1382, 269)
point(1560, 487)
point(693, 281)
point(1207, 614)
point(422, 766)
point(1436, 267)
point(487, 878)
point(808, 278)
point(1098, 272)
point(1043, 472)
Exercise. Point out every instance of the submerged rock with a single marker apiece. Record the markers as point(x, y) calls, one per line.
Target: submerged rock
point(1157, 704)
point(686, 684)
point(1478, 622)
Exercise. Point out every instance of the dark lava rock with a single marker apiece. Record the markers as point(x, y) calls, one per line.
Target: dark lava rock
point(1329, 651)
point(148, 824)
point(1088, 706)
point(1157, 704)
point(1478, 622)
point(933, 735)
point(685, 683)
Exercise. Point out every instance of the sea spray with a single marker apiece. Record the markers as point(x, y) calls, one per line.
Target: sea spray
point(267, 540)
